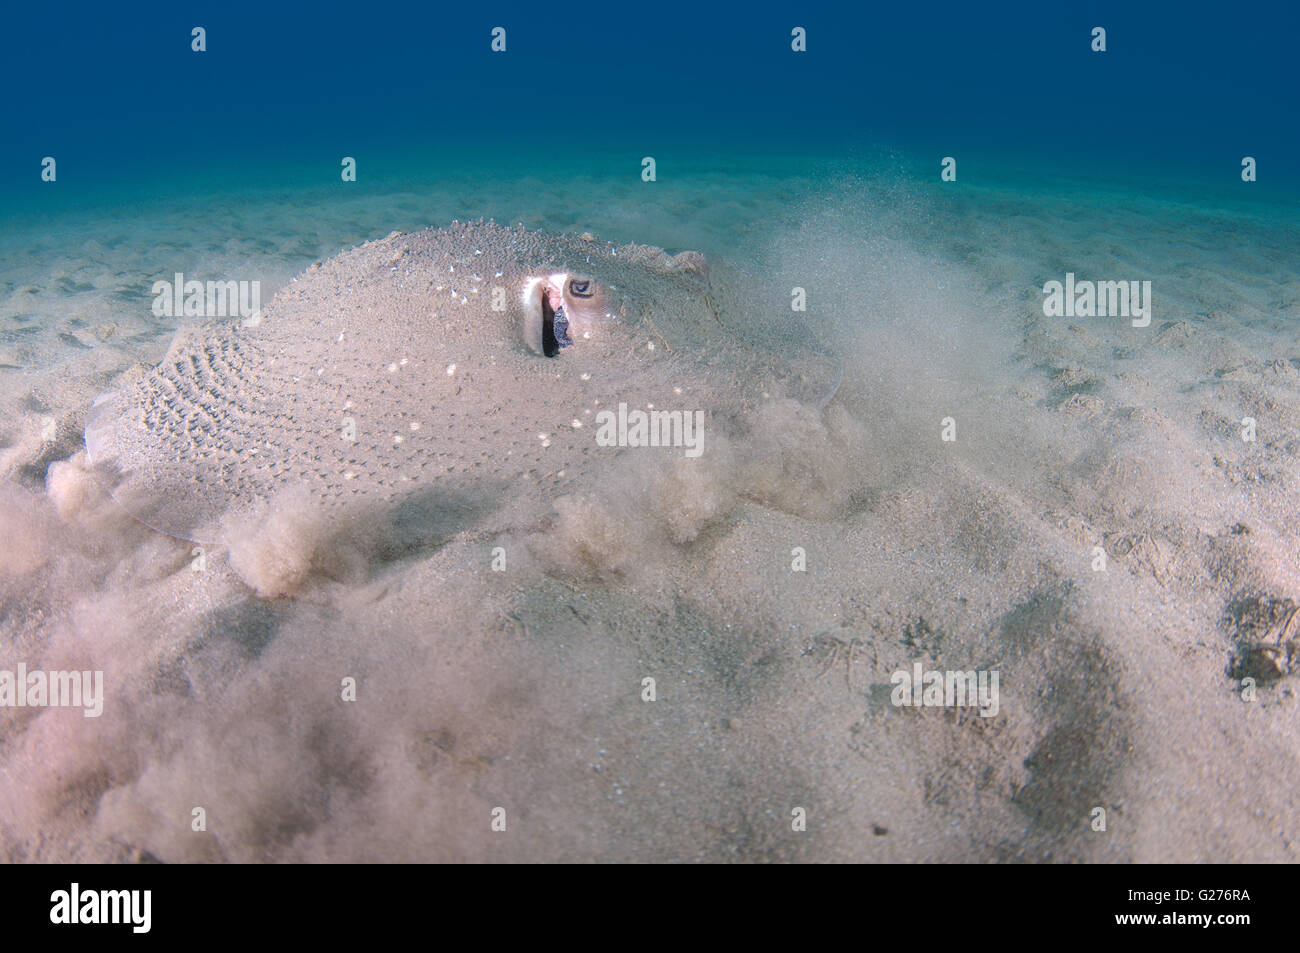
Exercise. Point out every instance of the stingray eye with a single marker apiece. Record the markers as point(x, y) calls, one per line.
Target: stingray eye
point(581, 287)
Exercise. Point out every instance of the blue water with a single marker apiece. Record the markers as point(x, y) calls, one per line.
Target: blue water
point(228, 161)
point(116, 95)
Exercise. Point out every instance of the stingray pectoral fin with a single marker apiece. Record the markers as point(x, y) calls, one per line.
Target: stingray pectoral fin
point(175, 446)
point(133, 467)
point(799, 362)
point(811, 377)
point(807, 375)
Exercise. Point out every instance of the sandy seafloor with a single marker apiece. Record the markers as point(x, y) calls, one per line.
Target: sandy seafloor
point(1120, 689)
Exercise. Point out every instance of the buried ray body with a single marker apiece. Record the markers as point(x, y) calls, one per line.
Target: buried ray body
point(444, 364)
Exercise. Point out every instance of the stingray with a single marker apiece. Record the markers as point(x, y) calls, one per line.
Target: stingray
point(469, 360)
